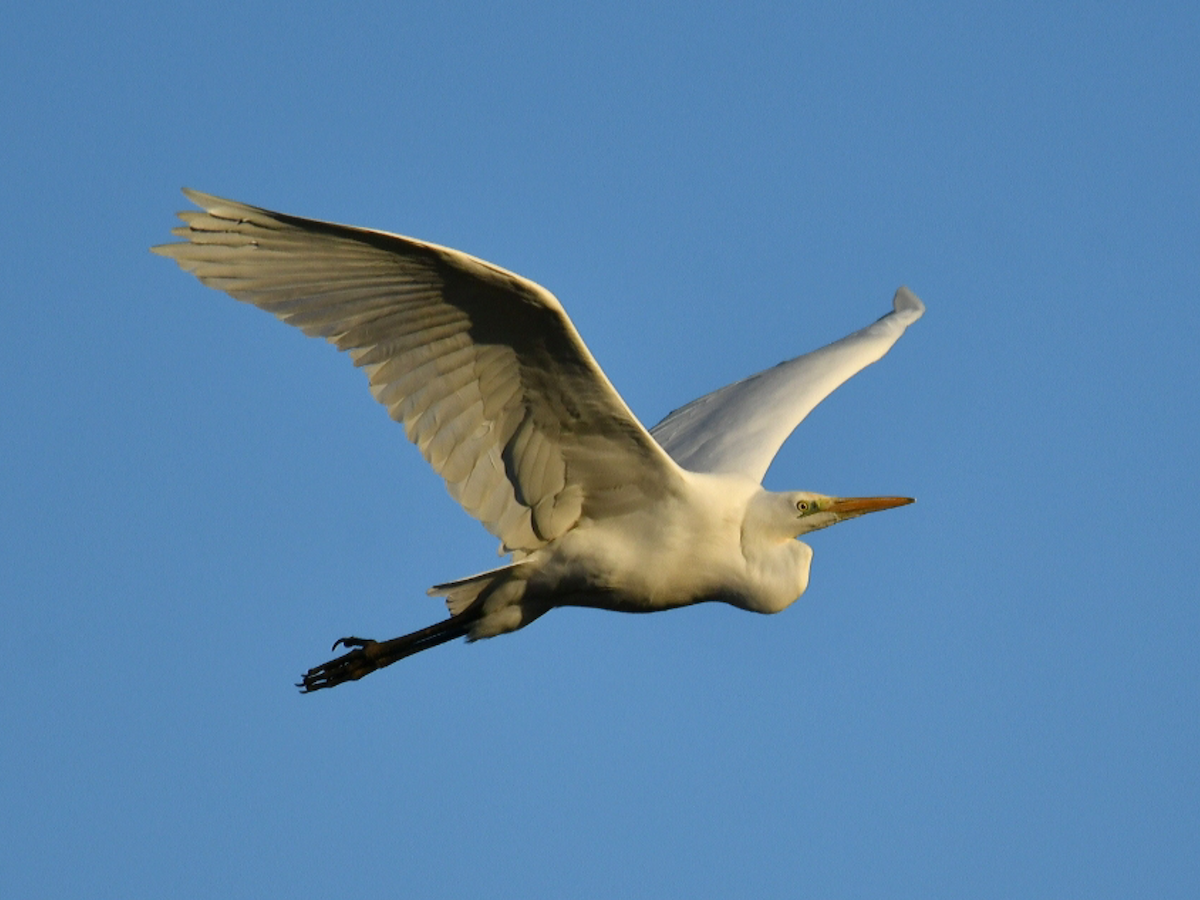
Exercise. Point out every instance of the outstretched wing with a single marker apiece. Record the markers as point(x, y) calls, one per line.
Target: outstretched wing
point(741, 427)
point(483, 368)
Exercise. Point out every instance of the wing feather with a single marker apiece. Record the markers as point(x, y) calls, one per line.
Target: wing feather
point(482, 367)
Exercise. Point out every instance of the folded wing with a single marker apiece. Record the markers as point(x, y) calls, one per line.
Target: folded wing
point(741, 427)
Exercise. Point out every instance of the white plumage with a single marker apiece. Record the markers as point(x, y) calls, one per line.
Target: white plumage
point(497, 390)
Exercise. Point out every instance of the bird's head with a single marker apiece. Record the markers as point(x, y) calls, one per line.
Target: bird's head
point(813, 511)
point(780, 564)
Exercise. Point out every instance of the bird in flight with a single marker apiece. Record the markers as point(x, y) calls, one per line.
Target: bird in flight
point(495, 387)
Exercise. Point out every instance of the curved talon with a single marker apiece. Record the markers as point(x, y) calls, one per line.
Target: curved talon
point(350, 643)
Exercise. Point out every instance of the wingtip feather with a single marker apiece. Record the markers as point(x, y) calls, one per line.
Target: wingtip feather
point(908, 305)
point(202, 199)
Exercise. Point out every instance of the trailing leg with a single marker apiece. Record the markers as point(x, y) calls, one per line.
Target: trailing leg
point(366, 656)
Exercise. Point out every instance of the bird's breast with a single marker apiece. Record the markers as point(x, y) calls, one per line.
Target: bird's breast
point(654, 559)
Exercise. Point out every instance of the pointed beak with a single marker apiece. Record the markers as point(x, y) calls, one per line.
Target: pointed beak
point(857, 506)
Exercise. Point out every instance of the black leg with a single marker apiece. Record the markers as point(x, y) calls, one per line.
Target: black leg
point(366, 656)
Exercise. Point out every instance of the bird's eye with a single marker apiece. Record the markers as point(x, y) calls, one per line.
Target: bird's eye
point(802, 505)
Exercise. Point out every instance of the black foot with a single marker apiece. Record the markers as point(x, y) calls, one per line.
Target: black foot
point(367, 656)
point(363, 659)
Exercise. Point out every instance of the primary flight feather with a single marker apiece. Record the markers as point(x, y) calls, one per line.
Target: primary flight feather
point(499, 393)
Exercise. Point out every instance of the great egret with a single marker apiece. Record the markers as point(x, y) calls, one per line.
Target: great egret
point(497, 390)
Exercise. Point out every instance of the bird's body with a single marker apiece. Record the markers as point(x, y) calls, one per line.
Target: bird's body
point(494, 385)
point(696, 544)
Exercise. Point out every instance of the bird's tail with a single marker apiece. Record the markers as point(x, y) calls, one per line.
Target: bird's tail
point(464, 592)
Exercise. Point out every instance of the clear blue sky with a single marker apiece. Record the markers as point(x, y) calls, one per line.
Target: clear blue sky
point(992, 693)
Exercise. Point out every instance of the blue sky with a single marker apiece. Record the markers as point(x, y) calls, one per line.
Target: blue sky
point(992, 693)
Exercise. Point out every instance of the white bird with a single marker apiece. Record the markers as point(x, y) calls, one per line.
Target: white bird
point(497, 390)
